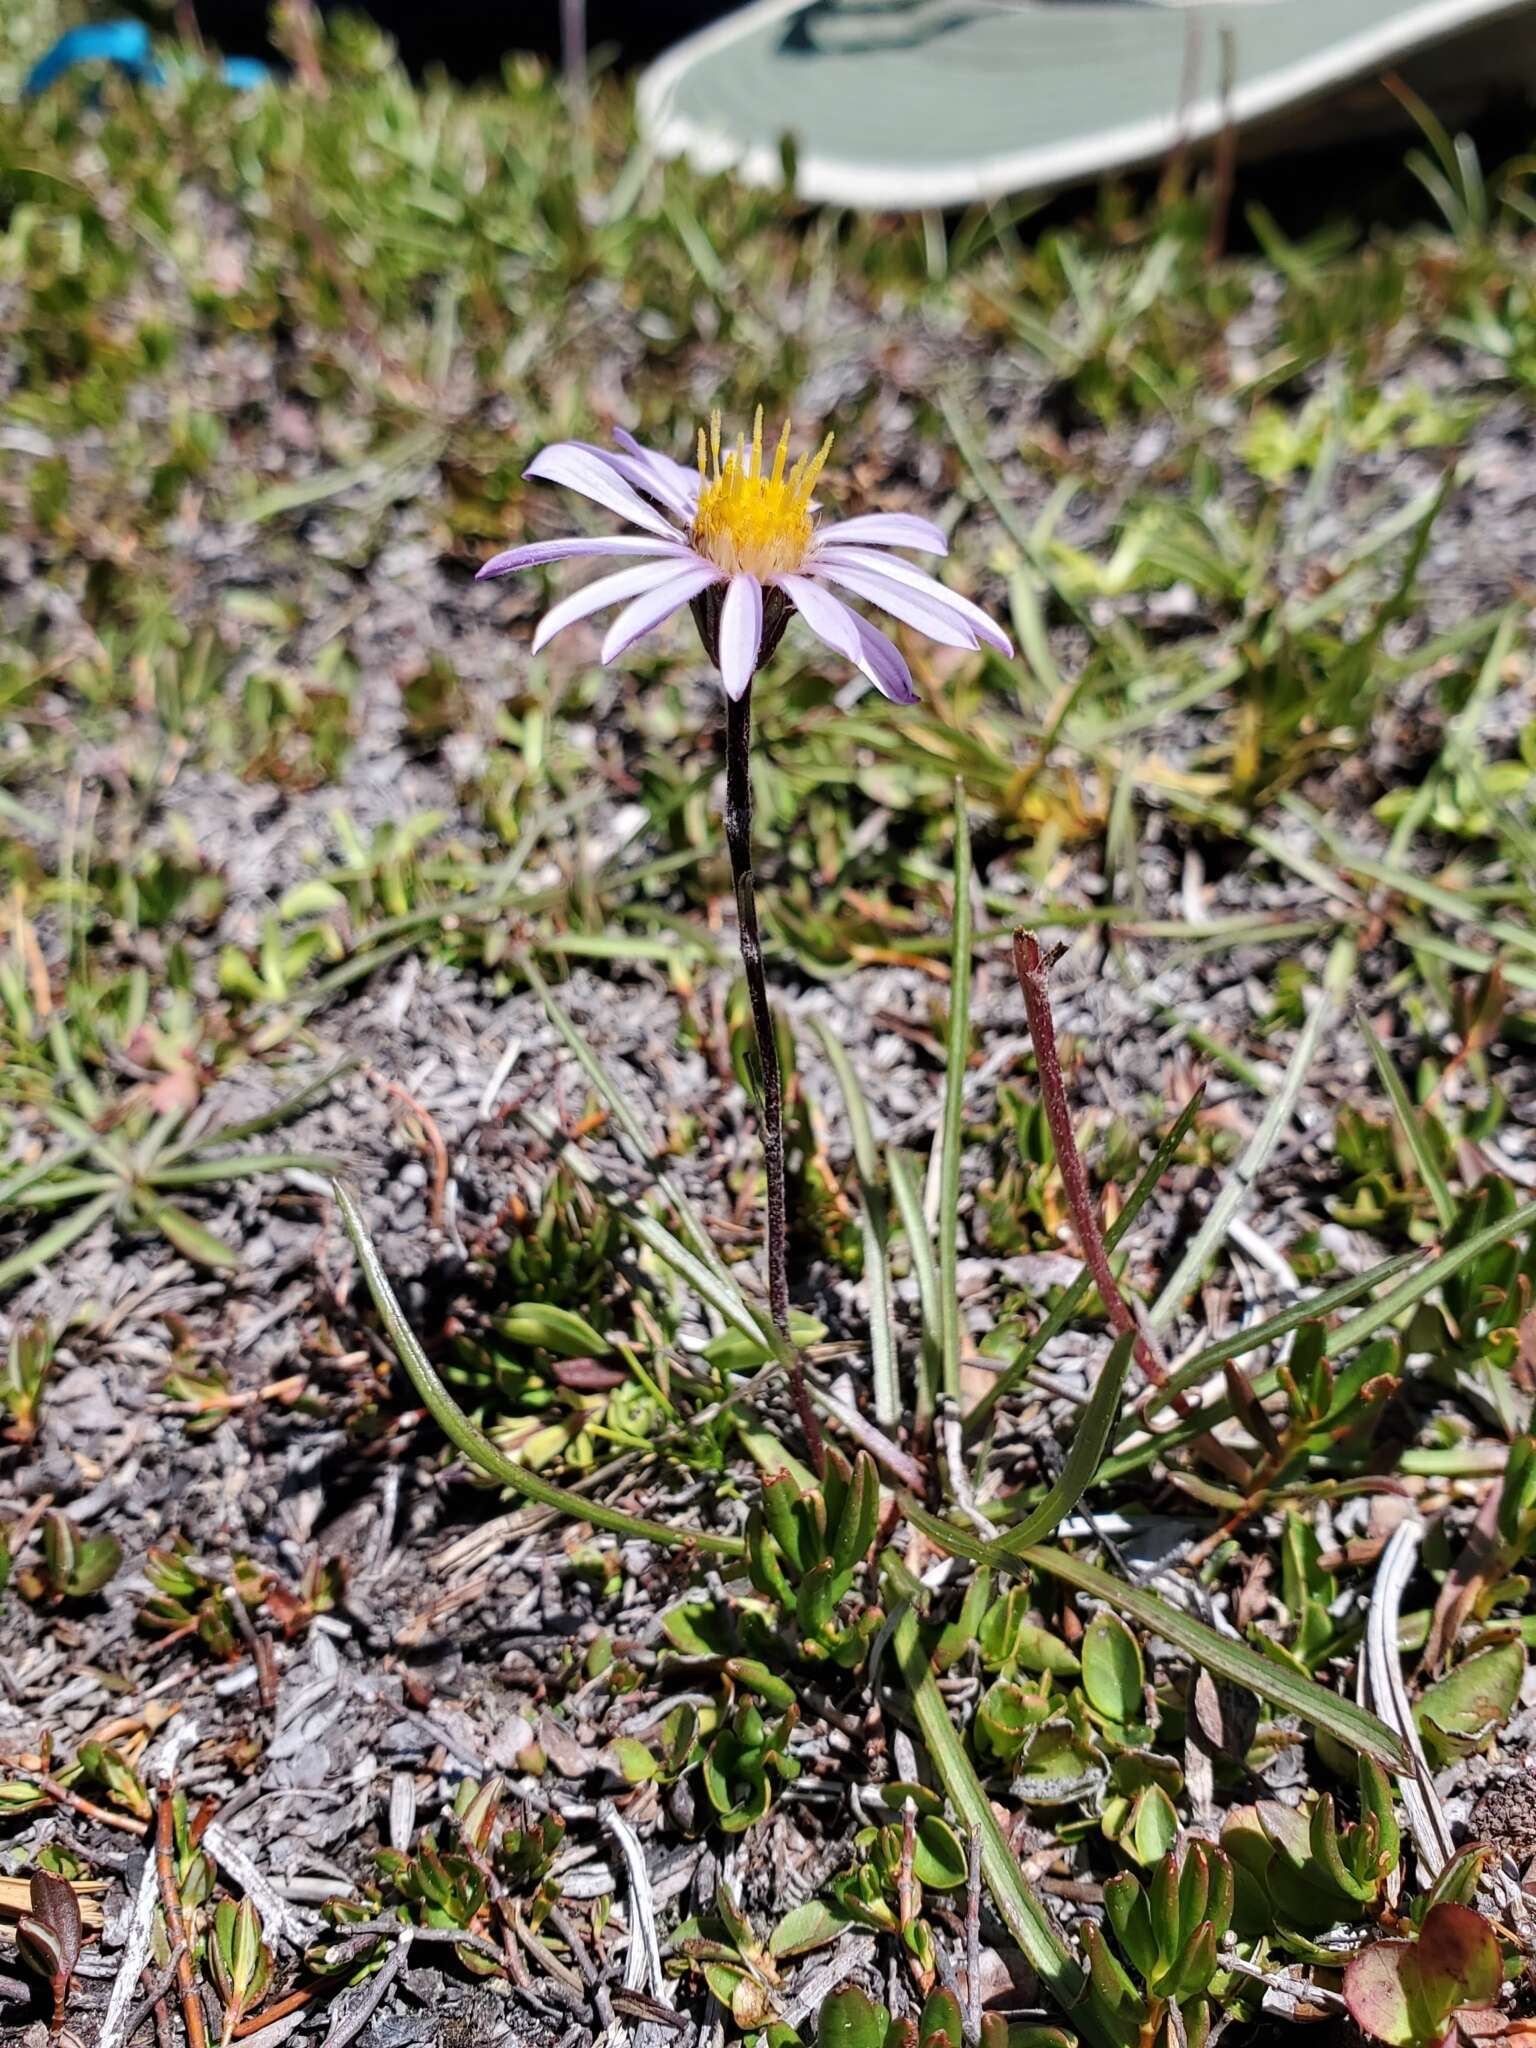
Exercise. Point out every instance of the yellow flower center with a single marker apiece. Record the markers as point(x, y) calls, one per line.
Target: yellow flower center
point(749, 522)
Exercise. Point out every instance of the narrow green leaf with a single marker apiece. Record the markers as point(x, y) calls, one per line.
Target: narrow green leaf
point(956, 1058)
point(1113, 1674)
point(1022, 1913)
point(641, 1149)
point(876, 1232)
point(201, 1173)
point(1234, 1661)
point(1251, 1337)
point(190, 1237)
point(13, 1189)
point(34, 1256)
point(283, 1111)
point(1076, 1475)
point(1348, 1336)
point(902, 1171)
point(1412, 1127)
point(1238, 1185)
point(473, 1442)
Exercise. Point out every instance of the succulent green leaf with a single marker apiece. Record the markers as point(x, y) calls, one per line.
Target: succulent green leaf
point(1463, 1710)
point(1163, 1906)
point(543, 1326)
point(1457, 1960)
point(1036, 1649)
point(1111, 1989)
point(1113, 1675)
point(849, 2018)
point(1005, 1719)
point(633, 1761)
point(780, 1498)
point(817, 1599)
point(940, 2025)
point(1376, 1802)
point(1154, 1826)
point(836, 1479)
point(853, 1531)
point(1198, 1964)
point(1194, 1889)
point(1126, 1909)
point(1376, 1992)
point(755, 1676)
point(938, 1856)
point(1328, 1853)
point(1459, 1878)
point(806, 1927)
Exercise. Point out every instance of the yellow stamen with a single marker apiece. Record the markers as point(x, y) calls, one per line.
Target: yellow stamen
point(746, 521)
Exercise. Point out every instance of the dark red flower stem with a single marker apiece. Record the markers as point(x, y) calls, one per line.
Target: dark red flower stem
point(738, 837)
point(1032, 969)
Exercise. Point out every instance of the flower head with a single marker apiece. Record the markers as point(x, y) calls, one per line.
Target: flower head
point(748, 521)
point(737, 540)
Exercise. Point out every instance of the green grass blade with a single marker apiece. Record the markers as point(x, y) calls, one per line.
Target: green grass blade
point(33, 1257)
point(200, 1173)
point(1234, 1661)
point(1250, 1338)
point(1413, 1290)
point(1020, 1911)
point(1075, 1295)
point(281, 1112)
point(1238, 1184)
point(13, 1189)
point(617, 1103)
point(473, 1441)
point(192, 1239)
point(907, 1189)
point(1412, 1126)
point(69, 1187)
point(716, 1287)
point(1086, 1454)
point(956, 1059)
point(876, 1231)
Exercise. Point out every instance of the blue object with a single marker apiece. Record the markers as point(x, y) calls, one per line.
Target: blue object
point(123, 43)
point(245, 74)
point(126, 44)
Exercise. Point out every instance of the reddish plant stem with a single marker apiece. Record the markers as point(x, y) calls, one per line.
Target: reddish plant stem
point(175, 1925)
point(1032, 968)
point(259, 2021)
point(86, 1808)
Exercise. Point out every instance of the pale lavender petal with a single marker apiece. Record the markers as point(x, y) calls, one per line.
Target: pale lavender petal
point(896, 570)
point(650, 474)
point(569, 463)
point(887, 530)
point(606, 590)
point(680, 478)
point(911, 606)
point(537, 552)
point(852, 637)
point(741, 633)
point(656, 605)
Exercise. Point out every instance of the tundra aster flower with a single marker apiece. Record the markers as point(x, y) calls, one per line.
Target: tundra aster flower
point(737, 540)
